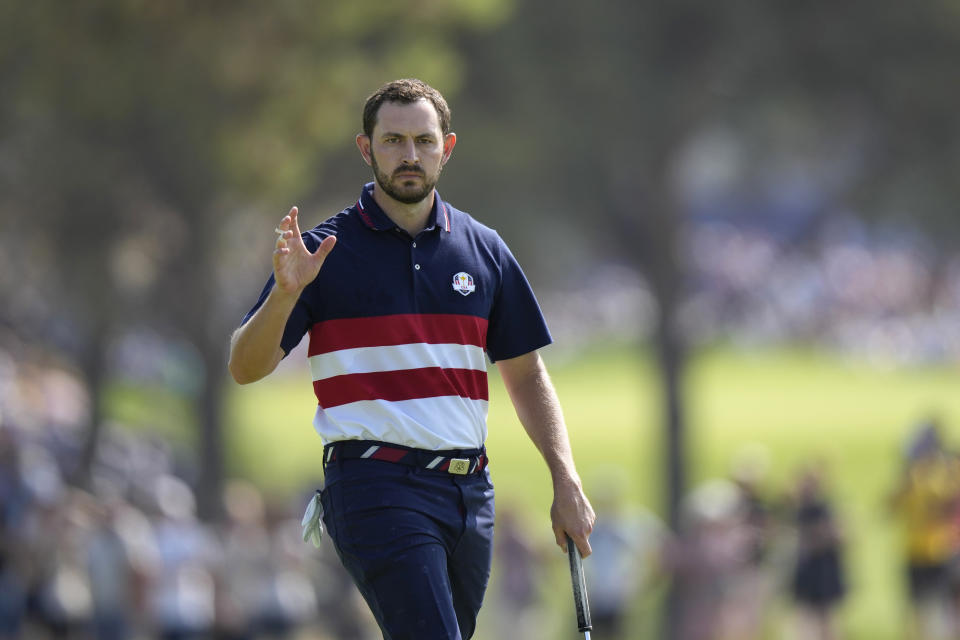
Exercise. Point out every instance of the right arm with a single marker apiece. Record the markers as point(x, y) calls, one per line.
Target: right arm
point(255, 347)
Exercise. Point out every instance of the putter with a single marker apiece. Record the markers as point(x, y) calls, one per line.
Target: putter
point(579, 590)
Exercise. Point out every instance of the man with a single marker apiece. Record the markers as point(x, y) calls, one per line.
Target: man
point(403, 297)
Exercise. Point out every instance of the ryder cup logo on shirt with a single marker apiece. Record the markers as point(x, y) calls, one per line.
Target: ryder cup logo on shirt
point(463, 282)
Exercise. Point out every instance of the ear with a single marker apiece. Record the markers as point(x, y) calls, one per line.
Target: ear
point(449, 142)
point(363, 143)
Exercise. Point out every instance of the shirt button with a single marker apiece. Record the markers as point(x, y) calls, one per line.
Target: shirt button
point(414, 245)
point(417, 267)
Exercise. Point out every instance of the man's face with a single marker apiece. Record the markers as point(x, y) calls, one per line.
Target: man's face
point(407, 150)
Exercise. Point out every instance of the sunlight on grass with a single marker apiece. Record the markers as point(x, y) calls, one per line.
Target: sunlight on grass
point(795, 404)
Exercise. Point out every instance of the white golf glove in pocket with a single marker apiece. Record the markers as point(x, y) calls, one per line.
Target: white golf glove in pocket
point(312, 527)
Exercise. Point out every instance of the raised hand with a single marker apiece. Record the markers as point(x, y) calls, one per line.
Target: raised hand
point(294, 267)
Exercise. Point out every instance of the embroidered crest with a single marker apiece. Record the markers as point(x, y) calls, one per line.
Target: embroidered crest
point(463, 283)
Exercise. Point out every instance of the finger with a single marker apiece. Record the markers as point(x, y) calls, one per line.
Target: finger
point(285, 221)
point(581, 541)
point(561, 537)
point(294, 212)
point(583, 544)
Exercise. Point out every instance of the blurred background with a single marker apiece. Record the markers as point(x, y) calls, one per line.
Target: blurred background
point(741, 221)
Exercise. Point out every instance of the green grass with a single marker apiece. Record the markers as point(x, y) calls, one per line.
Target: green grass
point(796, 404)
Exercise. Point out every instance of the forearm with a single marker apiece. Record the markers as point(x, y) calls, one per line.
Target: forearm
point(538, 409)
point(255, 347)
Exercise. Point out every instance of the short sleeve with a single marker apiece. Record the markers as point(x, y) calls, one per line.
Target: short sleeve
point(516, 324)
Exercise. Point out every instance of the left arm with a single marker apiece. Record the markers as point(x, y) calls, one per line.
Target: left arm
point(538, 409)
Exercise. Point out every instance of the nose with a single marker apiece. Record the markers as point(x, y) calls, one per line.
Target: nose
point(409, 155)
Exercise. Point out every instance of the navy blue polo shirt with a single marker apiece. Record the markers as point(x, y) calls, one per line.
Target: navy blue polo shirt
point(401, 328)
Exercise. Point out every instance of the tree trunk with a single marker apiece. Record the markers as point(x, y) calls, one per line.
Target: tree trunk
point(93, 369)
point(649, 225)
point(209, 410)
point(672, 362)
point(201, 318)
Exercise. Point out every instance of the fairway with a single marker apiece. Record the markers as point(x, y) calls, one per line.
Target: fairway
point(796, 403)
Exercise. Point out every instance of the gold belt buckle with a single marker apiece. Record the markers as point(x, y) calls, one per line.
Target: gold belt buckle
point(459, 466)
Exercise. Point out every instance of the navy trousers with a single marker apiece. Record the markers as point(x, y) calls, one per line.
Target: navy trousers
point(418, 544)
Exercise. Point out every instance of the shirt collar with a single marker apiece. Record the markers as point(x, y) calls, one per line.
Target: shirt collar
point(374, 217)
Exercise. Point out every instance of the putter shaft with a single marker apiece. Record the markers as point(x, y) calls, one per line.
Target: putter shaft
point(580, 601)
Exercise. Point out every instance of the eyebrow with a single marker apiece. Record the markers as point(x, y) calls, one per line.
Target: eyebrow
point(394, 134)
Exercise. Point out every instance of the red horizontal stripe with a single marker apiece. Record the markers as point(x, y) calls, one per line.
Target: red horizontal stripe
point(388, 454)
point(406, 384)
point(410, 328)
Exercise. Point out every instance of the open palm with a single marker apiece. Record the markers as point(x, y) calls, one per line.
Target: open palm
point(294, 267)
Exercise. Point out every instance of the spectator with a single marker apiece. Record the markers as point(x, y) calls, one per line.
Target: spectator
point(517, 594)
point(705, 557)
point(627, 550)
point(751, 584)
point(818, 584)
point(183, 595)
point(926, 499)
point(111, 574)
point(61, 597)
point(14, 503)
point(244, 569)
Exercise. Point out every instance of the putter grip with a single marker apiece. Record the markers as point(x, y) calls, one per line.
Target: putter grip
point(579, 587)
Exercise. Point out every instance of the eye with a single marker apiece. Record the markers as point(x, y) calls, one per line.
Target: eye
point(425, 140)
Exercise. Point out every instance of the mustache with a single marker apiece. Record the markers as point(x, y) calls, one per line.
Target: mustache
point(413, 168)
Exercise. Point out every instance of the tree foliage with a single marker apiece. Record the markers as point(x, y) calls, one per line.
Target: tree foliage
point(138, 128)
point(148, 142)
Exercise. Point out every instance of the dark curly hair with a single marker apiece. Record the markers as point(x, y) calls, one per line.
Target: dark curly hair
point(405, 91)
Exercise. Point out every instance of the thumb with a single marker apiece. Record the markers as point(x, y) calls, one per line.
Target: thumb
point(324, 249)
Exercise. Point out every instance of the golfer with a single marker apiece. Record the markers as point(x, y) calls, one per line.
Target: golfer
point(405, 298)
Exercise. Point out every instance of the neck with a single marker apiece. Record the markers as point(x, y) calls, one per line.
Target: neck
point(412, 218)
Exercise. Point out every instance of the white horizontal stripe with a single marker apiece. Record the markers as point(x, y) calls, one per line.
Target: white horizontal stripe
point(446, 422)
point(397, 358)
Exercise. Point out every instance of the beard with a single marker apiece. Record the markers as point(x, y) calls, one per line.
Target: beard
point(402, 189)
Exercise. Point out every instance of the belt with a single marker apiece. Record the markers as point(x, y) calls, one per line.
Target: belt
point(460, 462)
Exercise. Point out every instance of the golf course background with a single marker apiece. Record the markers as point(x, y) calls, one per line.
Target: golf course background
point(797, 404)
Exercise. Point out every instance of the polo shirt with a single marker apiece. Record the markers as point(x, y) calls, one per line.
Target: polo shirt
point(401, 328)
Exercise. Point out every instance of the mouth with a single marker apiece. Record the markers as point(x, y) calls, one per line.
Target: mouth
point(409, 172)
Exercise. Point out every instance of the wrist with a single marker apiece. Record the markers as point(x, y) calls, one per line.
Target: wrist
point(282, 297)
point(566, 480)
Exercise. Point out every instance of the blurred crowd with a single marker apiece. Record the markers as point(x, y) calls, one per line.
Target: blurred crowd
point(749, 561)
point(750, 564)
point(875, 295)
point(125, 556)
point(883, 297)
